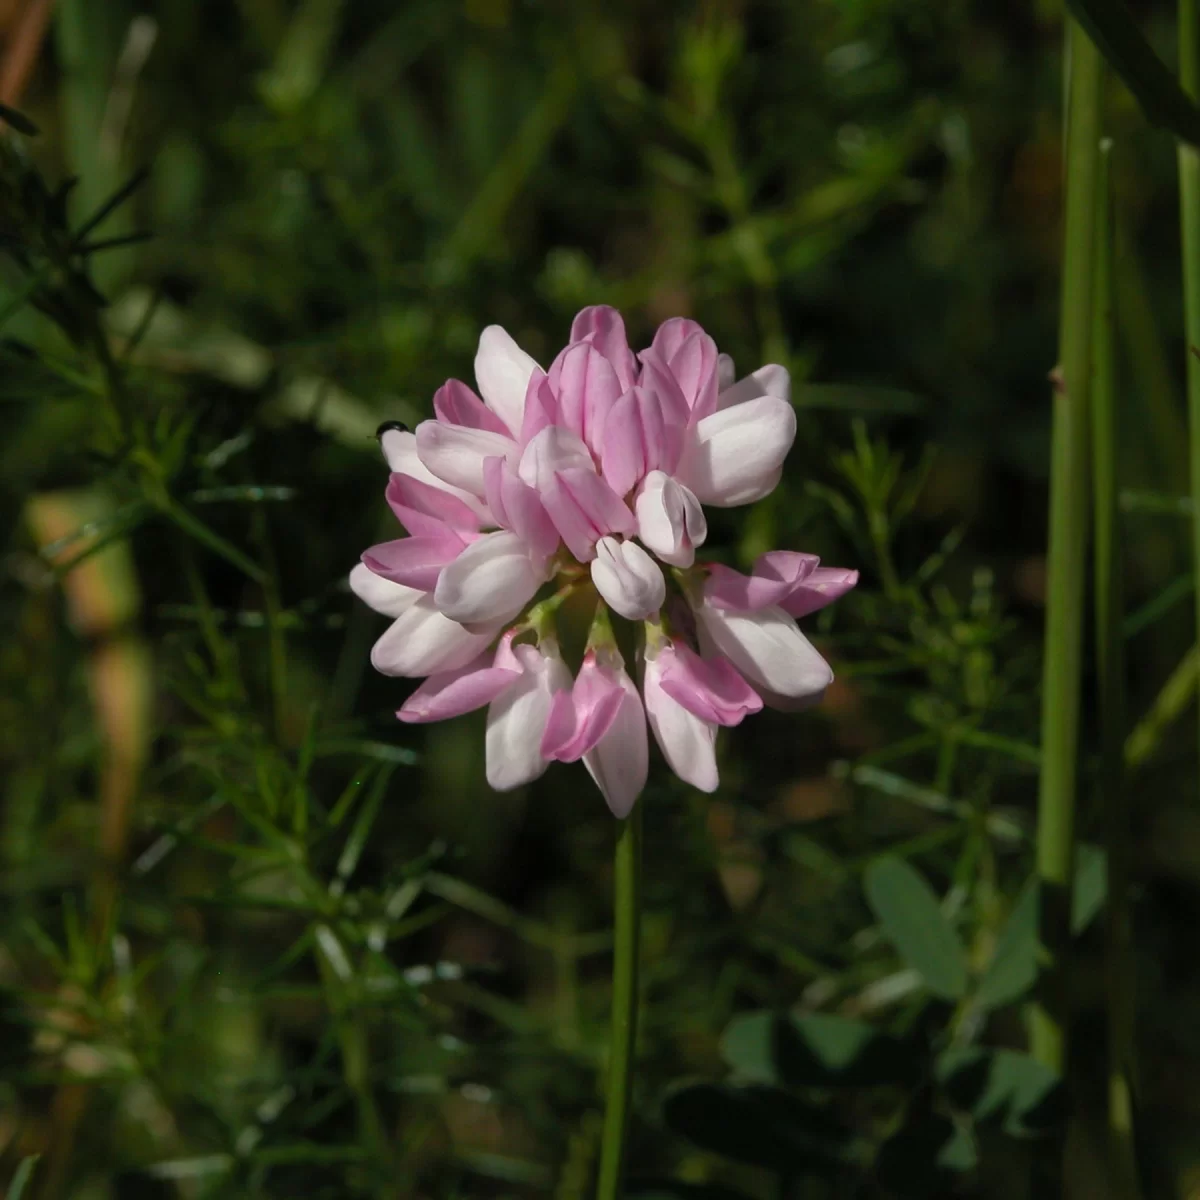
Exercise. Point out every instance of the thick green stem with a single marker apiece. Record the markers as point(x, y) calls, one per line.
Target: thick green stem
point(1189, 215)
point(1068, 544)
point(1110, 688)
point(627, 920)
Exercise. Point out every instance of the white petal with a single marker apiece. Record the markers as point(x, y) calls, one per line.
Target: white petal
point(630, 581)
point(502, 370)
point(768, 648)
point(421, 641)
point(735, 455)
point(620, 762)
point(400, 450)
point(381, 594)
point(491, 580)
point(456, 453)
point(687, 743)
point(725, 372)
point(517, 719)
point(771, 380)
point(670, 519)
point(553, 449)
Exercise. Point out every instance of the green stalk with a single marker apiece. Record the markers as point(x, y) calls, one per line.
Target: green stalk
point(1110, 687)
point(627, 886)
point(1173, 698)
point(353, 1041)
point(87, 41)
point(1189, 215)
point(86, 49)
point(1068, 545)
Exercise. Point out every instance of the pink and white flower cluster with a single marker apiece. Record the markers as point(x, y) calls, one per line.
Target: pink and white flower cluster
point(592, 477)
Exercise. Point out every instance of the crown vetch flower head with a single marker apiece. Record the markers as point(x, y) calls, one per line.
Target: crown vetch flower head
point(593, 474)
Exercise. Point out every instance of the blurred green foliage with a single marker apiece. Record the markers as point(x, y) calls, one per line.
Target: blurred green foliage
point(258, 939)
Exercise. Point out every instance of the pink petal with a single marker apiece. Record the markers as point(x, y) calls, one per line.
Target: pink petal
point(517, 717)
point(506, 654)
point(823, 586)
point(541, 407)
point(584, 508)
point(711, 688)
point(456, 404)
point(604, 328)
point(415, 562)
point(776, 575)
point(456, 453)
point(657, 377)
point(694, 365)
point(768, 649)
point(518, 507)
point(791, 580)
point(671, 335)
point(644, 433)
point(791, 566)
point(727, 588)
point(415, 522)
point(623, 456)
point(619, 762)
point(400, 450)
point(580, 718)
point(587, 388)
point(502, 370)
point(552, 449)
point(452, 693)
point(686, 741)
point(423, 508)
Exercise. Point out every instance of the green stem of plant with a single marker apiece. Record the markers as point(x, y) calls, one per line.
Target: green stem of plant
point(276, 645)
point(1110, 687)
point(356, 1068)
point(1189, 215)
point(1169, 705)
point(193, 526)
point(1070, 451)
point(356, 1056)
point(627, 889)
point(87, 38)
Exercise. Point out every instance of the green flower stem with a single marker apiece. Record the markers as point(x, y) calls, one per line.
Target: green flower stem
point(627, 919)
point(1189, 212)
point(1173, 698)
point(541, 616)
point(601, 632)
point(1110, 686)
point(1068, 543)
